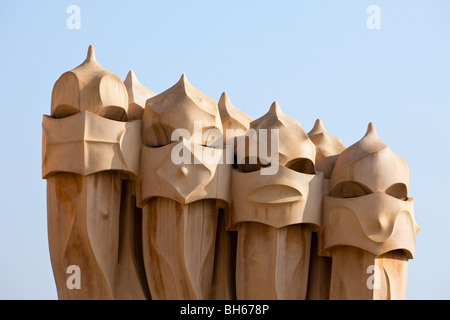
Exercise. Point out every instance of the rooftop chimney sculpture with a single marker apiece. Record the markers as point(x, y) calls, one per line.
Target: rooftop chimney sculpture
point(177, 196)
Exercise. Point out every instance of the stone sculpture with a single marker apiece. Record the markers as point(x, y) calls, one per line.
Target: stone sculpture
point(90, 151)
point(181, 200)
point(369, 197)
point(177, 196)
point(274, 213)
point(328, 148)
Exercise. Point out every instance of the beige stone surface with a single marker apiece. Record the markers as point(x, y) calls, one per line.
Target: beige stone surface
point(151, 198)
point(274, 215)
point(224, 277)
point(85, 143)
point(178, 248)
point(89, 153)
point(232, 118)
point(223, 285)
point(179, 199)
point(290, 134)
point(184, 182)
point(368, 220)
point(289, 197)
point(178, 108)
point(90, 87)
point(137, 96)
point(327, 150)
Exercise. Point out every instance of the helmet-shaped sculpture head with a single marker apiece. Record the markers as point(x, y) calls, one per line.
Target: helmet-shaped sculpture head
point(295, 149)
point(328, 148)
point(89, 87)
point(179, 107)
point(281, 190)
point(368, 206)
point(369, 166)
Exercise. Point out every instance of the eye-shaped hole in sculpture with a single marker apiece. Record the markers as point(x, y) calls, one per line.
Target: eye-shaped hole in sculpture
point(249, 164)
point(64, 110)
point(398, 190)
point(350, 189)
point(302, 165)
point(246, 157)
point(113, 112)
point(161, 134)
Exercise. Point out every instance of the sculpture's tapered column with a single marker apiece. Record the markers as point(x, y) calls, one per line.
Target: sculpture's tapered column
point(391, 273)
point(368, 224)
point(131, 281)
point(87, 152)
point(319, 277)
point(328, 148)
point(349, 280)
point(223, 285)
point(235, 123)
point(273, 210)
point(183, 258)
point(361, 275)
point(180, 182)
point(272, 263)
point(83, 228)
point(173, 196)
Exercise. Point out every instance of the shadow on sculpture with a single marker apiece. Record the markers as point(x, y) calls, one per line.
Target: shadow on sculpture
point(177, 196)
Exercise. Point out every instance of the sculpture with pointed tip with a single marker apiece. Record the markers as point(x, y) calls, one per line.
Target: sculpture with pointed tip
point(92, 224)
point(181, 201)
point(274, 215)
point(296, 216)
point(178, 108)
point(328, 148)
point(86, 158)
point(368, 222)
point(223, 286)
point(295, 149)
point(232, 118)
point(91, 88)
point(370, 152)
point(137, 96)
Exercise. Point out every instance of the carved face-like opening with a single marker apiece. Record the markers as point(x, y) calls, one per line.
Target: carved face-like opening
point(158, 135)
point(114, 113)
point(302, 165)
point(250, 164)
point(350, 189)
point(63, 111)
point(398, 190)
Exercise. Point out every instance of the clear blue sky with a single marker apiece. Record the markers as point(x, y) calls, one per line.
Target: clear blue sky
point(317, 59)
